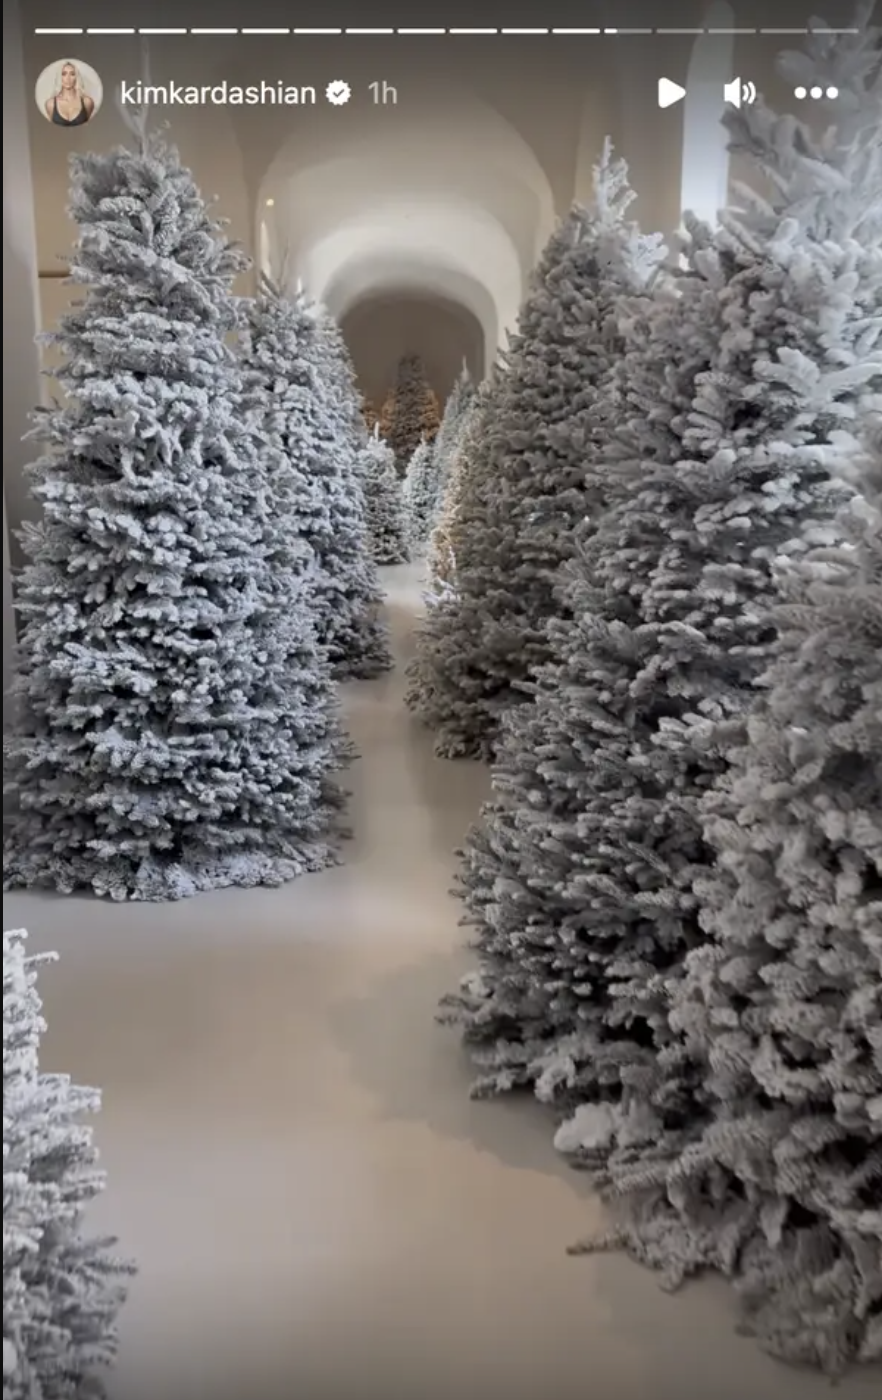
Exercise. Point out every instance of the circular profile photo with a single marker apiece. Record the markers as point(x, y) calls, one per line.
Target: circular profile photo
point(69, 93)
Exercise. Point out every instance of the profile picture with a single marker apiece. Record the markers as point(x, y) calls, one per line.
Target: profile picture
point(69, 92)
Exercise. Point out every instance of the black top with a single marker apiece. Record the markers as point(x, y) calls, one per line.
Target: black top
point(80, 119)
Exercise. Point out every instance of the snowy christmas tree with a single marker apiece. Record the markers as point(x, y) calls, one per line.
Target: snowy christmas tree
point(784, 1004)
point(773, 1177)
point(339, 373)
point(449, 436)
point(420, 493)
point(309, 415)
point(410, 411)
point(561, 916)
point(441, 561)
point(387, 520)
point(797, 356)
point(491, 644)
point(434, 682)
point(62, 1290)
point(176, 728)
point(587, 881)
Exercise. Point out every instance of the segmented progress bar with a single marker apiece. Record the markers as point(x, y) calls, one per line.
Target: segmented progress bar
point(411, 32)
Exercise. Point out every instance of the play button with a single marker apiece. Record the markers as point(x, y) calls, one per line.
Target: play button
point(669, 92)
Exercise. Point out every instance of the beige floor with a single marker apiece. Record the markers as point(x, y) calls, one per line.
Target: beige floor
point(317, 1208)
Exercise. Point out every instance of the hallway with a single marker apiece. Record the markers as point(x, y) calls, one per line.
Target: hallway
point(316, 1207)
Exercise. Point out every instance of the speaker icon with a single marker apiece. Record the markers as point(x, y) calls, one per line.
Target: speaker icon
point(738, 91)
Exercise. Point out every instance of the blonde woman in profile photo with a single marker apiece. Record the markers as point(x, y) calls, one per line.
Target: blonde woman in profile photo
point(70, 104)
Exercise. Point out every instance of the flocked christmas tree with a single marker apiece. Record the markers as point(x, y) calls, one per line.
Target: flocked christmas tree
point(555, 919)
point(586, 882)
point(309, 413)
point(671, 600)
point(420, 492)
point(479, 656)
point(447, 442)
point(410, 412)
point(387, 520)
point(441, 558)
point(338, 372)
point(176, 728)
point(62, 1288)
point(797, 356)
point(774, 1176)
point(778, 1183)
point(433, 683)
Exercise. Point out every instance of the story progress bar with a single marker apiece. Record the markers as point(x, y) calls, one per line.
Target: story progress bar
point(412, 32)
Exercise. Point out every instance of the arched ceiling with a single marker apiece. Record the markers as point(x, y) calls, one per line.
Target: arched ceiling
point(451, 202)
point(382, 326)
point(452, 249)
point(365, 279)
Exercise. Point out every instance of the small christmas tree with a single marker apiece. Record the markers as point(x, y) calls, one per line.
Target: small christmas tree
point(62, 1290)
point(176, 728)
point(441, 557)
point(410, 412)
point(309, 416)
point(522, 527)
point(449, 436)
point(436, 689)
point(420, 492)
point(386, 513)
point(338, 373)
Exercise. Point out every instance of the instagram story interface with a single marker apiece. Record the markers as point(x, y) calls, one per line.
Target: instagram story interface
point(438, 490)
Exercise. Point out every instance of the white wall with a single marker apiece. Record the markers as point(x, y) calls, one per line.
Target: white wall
point(704, 183)
point(21, 382)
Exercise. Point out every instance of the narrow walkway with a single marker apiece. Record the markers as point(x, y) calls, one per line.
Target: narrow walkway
point(317, 1208)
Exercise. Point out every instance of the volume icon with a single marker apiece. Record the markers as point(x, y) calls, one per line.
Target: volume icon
point(737, 92)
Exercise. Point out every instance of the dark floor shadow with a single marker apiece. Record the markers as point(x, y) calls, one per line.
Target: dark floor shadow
point(402, 628)
point(453, 791)
point(419, 1071)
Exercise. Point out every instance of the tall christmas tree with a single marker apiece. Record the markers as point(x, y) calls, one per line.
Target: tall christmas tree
point(410, 412)
point(420, 491)
point(449, 436)
point(797, 356)
point(779, 1185)
point(62, 1290)
point(176, 728)
point(387, 520)
point(309, 416)
point(773, 1177)
point(492, 643)
point(725, 469)
point(585, 882)
point(557, 922)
